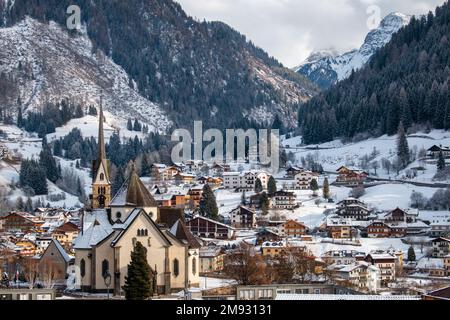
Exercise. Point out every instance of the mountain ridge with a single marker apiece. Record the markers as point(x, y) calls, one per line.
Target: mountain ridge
point(193, 70)
point(326, 68)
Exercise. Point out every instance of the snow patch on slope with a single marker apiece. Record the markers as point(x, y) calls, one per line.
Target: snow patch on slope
point(49, 64)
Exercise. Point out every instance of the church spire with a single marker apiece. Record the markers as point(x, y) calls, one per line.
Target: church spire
point(101, 137)
point(101, 184)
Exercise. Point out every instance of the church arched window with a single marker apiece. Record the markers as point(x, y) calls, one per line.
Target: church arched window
point(102, 176)
point(82, 268)
point(176, 267)
point(194, 266)
point(146, 232)
point(118, 214)
point(139, 232)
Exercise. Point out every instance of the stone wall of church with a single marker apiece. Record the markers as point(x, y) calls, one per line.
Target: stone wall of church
point(153, 243)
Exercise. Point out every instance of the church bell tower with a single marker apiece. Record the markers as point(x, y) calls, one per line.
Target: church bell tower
point(101, 183)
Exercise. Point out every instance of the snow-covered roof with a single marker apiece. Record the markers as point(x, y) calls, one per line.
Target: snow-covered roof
point(430, 263)
point(97, 231)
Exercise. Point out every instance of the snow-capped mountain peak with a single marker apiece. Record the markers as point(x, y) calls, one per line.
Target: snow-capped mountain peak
point(325, 67)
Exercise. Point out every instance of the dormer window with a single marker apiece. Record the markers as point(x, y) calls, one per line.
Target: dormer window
point(102, 176)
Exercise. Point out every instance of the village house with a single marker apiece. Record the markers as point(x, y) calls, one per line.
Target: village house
point(338, 257)
point(244, 181)
point(255, 201)
point(194, 195)
point(359, 275)
point(379, 229)
point(157, 171)
point(55, 261)
point(353, 208)
point(283, 200)
point(293, 229)
point(440, 226)
point(211, 259)
point(434, 267)
point(42, 243)
point(340, 228)
point(20, 222)
point(218, 169)
point(184, 178)
point(440, 247)
point(207, 228)
point(434, 151)
point(272, 249)
point(243, 218)
point(399, 215)
point(26, 247)
point(291, 172)
point(386, 262)
point(66, 233)
point(303, 180)
point(267, 234)
point(350, 177)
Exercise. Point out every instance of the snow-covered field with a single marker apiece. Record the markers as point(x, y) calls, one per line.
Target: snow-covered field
point(334, 154)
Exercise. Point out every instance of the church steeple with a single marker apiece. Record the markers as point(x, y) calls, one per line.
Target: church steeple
point(101, 137)
point(101, 183)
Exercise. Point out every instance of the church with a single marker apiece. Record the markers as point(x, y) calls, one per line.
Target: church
point(113, 225)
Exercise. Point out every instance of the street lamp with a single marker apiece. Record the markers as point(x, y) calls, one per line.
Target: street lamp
point(107, 279)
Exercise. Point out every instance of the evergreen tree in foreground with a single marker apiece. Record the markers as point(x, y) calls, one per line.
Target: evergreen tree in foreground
point(411, 254)
point(139, 279)
point(208, 204)
point(402, 147)
point(326, 189)
point(314, 186)
point(258, 186)
point(272, 185)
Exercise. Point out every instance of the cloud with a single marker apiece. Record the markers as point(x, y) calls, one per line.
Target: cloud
point(290, 29)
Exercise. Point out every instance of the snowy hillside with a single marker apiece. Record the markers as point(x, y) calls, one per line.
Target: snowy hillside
point(27, 146)
point(334, 154)
point(326, 67)
point(48, 64)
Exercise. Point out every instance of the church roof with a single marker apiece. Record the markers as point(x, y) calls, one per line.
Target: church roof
point(181, 232)
point(133, 215)
point(133, 193)
point(97, 232)
point(101, 157)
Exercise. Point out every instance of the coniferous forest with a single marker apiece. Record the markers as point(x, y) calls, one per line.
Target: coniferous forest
point(406, 81)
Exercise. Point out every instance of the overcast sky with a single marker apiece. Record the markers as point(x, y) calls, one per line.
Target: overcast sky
point(290, 29)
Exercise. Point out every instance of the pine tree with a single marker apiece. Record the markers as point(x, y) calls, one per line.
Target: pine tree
point(272, 185)
point(145, 167)
point(19, 117)
point(139, 279)
point(402, 147)
point(129, 125)
point(258, 186)
point(29, 205)
point(314, 186)
point(441, 162)
point(264, 203)
point(137, 125)
point(326, 189)
point(48, 162)
point(117, 181)
point(20, 205)
point(208, 205)
point(411, 254)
